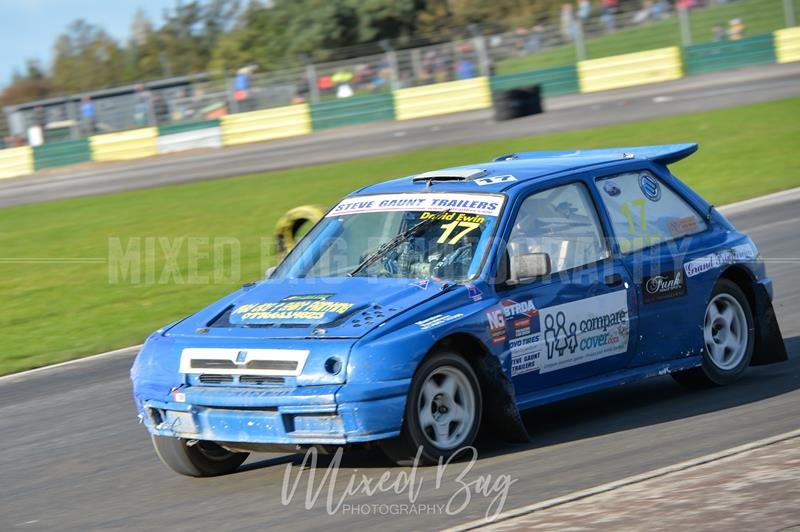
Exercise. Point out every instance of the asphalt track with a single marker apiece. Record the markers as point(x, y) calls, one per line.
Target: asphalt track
point(688, 95)
point(74, 457)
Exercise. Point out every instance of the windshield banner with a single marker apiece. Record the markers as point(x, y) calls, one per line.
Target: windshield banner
point(485, 204)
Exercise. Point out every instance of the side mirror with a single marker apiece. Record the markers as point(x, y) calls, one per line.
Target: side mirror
point(268, 273)
point(528, 266)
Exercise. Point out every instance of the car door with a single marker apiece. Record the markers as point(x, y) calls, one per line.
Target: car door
point(655, 228)
point(580, 319)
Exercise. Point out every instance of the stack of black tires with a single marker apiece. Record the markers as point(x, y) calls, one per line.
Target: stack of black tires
point(516, 103)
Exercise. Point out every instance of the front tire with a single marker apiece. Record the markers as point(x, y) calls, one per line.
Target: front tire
point(728, 335)
point(201, 459)
point(443, 411)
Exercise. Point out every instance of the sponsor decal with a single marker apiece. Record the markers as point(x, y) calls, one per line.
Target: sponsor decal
point(522, 318)
point(497, 325)
point(649, 187)
point(663, 286)
point(423, 283)
point(300, 310)
point(682, 226)
point(611, 189)
point(439, 319)
point(742, 253)
point(479, 204)
point(474, 293)
point(307, 297)
point(526, 354)
point(584, 331)
point(483, 181)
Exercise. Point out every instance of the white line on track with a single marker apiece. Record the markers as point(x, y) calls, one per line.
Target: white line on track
point(92, 358)
point(776, 198)
point(635, 479)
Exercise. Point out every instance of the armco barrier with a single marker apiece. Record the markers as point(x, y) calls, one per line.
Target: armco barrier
point(553, 81)
point(640, 68)
point(210, 137)
point(268, 124)
point(61, 154)
point(16, 161)
point(787, 45)
point(124, 145)
point(724, 55)
point(350, 111)
point(442, 98)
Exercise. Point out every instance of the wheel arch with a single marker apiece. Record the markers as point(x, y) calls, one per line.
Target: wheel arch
point(768, 347)
point(499, 400)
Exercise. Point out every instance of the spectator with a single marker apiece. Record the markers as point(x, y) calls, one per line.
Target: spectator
point(608, 14)
point(719, 33)
point(88, 115)
point(141, 109)
point(660, 9)
point(735, 29)
point(465, 69)
point(535, 39)
point(584, 10)
point(567, 22)
point(643, 14)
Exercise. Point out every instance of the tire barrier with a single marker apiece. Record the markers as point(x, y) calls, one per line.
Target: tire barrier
point(787, 45)
point(442, 98)
point(553, 81)
point(61, 154)
point(516, 103)
point(16, 161)
point(125, 145)
point(725, 55)
point(287, 230)
point(628, 70)
point(351, 111)
point(257, 126)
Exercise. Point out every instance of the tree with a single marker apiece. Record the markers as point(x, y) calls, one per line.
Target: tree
point(87, 58)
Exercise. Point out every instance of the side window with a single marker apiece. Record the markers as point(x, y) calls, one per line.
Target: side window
point(561, 222)
point(644, 212)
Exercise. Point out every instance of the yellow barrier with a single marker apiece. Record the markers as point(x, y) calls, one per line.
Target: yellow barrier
point(442, 98)
point(268, 124)
point(124, 145)
point(787, 45)
point(627, 70)
point(16, 161)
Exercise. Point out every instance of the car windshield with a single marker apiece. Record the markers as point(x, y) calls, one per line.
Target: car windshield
point(430, 235)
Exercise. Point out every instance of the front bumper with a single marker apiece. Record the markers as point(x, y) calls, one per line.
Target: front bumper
point(328, 414)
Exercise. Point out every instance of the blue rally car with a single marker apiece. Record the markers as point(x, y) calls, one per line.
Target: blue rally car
point(421, 309)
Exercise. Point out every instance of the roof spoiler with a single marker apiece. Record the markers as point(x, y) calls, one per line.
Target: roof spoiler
point(666, 154)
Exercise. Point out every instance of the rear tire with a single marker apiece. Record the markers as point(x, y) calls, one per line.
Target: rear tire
point(442, 414)
point(728, 335)
point(202, 459)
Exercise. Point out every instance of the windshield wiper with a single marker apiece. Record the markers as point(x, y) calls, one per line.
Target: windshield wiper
point(389, 245)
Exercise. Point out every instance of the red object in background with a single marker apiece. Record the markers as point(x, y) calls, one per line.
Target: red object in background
point(325, 82)
point(240, 96)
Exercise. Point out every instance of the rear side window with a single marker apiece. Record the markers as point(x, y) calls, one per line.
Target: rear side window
point(644, 212)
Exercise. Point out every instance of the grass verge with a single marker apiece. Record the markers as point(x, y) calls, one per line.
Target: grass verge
point(61, 298)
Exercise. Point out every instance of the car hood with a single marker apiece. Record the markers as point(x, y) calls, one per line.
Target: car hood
point(309, 308)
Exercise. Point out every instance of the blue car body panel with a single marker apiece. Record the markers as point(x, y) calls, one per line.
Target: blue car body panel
point(378, 330)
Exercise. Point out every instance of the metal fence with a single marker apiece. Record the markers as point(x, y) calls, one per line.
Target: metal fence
point(584, 30)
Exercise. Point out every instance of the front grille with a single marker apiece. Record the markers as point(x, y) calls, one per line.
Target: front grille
point(210, 378)
point(260, 380)
point(212, 363)
point(283, 365)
